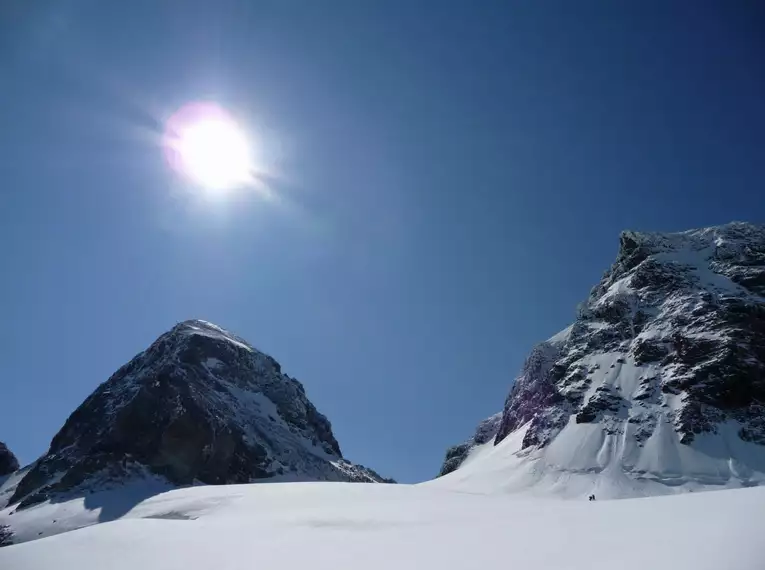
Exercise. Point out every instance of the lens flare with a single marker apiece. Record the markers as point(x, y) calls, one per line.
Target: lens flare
point(205, 144)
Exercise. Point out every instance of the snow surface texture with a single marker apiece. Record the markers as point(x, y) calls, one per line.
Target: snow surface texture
point(379, 527)
point(200, 405)
point(657, 387)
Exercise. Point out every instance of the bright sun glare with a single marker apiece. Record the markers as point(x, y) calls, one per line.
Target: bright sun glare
point(206, 145)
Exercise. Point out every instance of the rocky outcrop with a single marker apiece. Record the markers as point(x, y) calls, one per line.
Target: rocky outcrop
point(672, 335)
point(457, 454)
point(6, 535)
point(535, 390)
point(200, 405)
point(8, 461)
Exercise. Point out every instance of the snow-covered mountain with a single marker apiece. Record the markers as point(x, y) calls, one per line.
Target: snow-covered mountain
point(657, 387)
point(200, 405)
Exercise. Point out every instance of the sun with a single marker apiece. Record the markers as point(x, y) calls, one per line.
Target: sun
point(215, 154)
point(205, 144)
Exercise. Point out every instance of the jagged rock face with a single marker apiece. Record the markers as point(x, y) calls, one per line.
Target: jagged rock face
point(673, 335)
point(8, 461)
point(199, 405)
point(533, 393)
point(457, 454)
point(6, 535)
point(687, 310)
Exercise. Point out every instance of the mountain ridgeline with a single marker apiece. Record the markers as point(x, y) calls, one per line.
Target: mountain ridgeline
point(200, 405)
point(659, 382)
point(658, 386)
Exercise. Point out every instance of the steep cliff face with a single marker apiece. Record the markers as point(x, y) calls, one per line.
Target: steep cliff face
point(662, 375)
point(200, 405)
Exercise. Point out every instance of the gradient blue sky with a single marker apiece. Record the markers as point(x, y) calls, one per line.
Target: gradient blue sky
point(451, 179)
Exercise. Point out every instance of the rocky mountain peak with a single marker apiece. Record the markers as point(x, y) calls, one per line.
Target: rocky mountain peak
point(667, 355)
point(200, 405)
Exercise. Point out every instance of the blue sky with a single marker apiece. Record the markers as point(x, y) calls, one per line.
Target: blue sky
point(451, 179)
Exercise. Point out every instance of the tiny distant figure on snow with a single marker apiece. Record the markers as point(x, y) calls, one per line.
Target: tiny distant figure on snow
point(591, 498)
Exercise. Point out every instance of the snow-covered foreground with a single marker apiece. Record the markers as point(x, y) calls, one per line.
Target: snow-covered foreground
point(379, 527)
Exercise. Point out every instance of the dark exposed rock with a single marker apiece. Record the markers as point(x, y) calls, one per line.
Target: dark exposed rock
point(534, 391)
point(645, 350)
point(647, 390)
point(755, 430)
point(603, 401)
point(6, 535)
point(8, 461)
point(753, 278)
point(456, 454)
point(199, 405)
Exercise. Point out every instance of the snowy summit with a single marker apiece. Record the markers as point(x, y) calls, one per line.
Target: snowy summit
point(200, 405)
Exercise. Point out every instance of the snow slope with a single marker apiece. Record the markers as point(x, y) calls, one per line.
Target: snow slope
point(583, 460)
point(379, 527)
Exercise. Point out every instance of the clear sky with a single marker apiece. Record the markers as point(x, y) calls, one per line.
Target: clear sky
point(449, 180)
